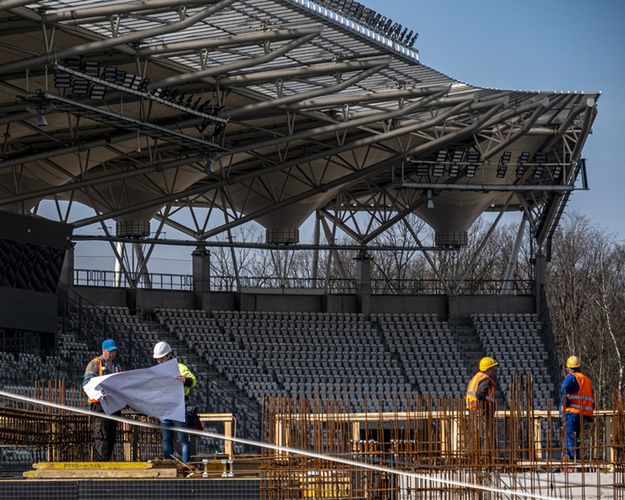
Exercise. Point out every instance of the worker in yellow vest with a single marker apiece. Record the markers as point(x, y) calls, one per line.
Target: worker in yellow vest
point(482, 386)
point(104, 430)
point(162, 353)
point(578, 404)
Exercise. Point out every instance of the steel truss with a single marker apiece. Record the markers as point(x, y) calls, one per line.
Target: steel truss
point(205, 116)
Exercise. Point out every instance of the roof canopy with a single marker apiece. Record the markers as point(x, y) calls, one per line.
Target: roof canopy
point(266, 110)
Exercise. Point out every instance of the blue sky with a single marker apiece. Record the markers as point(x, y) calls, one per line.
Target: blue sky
point(538, 45)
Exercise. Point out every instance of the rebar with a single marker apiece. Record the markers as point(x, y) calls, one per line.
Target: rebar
point(517, 449)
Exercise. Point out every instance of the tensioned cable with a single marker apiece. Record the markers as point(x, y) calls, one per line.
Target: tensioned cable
point(285, 449)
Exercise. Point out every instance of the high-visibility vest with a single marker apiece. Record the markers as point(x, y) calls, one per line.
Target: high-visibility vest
point(471, 399)
point(99, 360)
point(185, 372)
point(583, 401)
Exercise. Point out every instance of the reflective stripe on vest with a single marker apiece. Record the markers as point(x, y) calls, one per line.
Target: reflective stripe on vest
point(583, 401)
point(471, 397)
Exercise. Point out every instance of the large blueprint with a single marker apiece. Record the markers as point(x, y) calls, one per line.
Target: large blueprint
point(152, 391)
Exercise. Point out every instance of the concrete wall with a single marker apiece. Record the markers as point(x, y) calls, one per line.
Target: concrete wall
point(280, 300)
point(104, 296)
point(148, 299)
point(434, 304)
point(458, 308)
point(28, 310)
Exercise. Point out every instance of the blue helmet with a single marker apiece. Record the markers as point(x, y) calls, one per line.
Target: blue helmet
point(109, 345)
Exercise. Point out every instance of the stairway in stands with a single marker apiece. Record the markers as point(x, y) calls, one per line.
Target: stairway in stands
point(472, 349)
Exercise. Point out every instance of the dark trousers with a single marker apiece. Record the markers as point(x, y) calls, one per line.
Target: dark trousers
point(104, 436)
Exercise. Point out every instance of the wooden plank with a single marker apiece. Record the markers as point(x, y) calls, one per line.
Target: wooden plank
point(93, 465)
point(99, 473)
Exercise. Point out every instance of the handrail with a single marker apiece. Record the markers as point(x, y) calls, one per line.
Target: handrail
point(332, 286)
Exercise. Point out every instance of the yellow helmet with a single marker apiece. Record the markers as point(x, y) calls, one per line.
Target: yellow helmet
point(487, 363)
point(573, 362)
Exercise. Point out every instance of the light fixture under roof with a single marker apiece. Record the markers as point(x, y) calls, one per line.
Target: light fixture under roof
point(439, 166)
point(473, 161)
point(80, 87)
point(62, 80)
point(456, 160)
point(502, 167)
point(423, 169)
point(521, 164)
point(539, 165)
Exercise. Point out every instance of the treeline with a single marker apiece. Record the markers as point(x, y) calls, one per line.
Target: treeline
point(585, 279)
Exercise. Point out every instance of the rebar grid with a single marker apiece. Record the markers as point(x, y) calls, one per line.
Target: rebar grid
point(57, 435)
point(519, 449)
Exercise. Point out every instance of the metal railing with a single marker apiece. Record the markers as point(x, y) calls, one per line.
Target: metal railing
point(332, 286)
point(119, 279)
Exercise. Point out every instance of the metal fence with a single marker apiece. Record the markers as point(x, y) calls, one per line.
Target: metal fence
point(333, 286)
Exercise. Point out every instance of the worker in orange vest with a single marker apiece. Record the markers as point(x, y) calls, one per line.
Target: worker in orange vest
point(104, 430)
point(578, 404)
point(482, 386)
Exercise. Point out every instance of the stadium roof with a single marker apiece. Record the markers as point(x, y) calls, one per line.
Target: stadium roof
point(266, 110)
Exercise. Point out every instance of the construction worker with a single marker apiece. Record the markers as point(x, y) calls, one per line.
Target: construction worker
point(480, 401)
point(578, 405)
point(162, 353)
point(482, 386)
point(104, 430)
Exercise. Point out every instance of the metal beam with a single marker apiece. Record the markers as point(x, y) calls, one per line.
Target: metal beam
point(103, 45)
point(147, 128)
point(514, 257)
point(193, 76)
point(11, 4)
point(457, 135)
point(221, 42)
point(368, 97)
point(101, 179)
point(485, 187)
point(237, 244)
point(114, 9)
point(250, 109)
point(84, 146)
point(519, 133)
point(299, 71)
point(326, 129)
point(202, 189)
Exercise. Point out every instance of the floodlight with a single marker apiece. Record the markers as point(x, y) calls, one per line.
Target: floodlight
point(539, 165)
point(62, 80)
point(456, 159)
point(439, 166)
point(97, 92)
point(502, 167)
point(73, 63)
point(92, 68)
point(473, 160)
point(423, 169)
point(110, 74)
point(521, 164)
point(131, 81)
point(81, 86)
point(121, 76)
point(557, 170)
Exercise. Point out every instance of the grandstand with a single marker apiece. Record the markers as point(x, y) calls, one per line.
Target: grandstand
point(171, 124)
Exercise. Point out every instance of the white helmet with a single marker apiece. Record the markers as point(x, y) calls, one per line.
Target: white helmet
point(161, 349)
